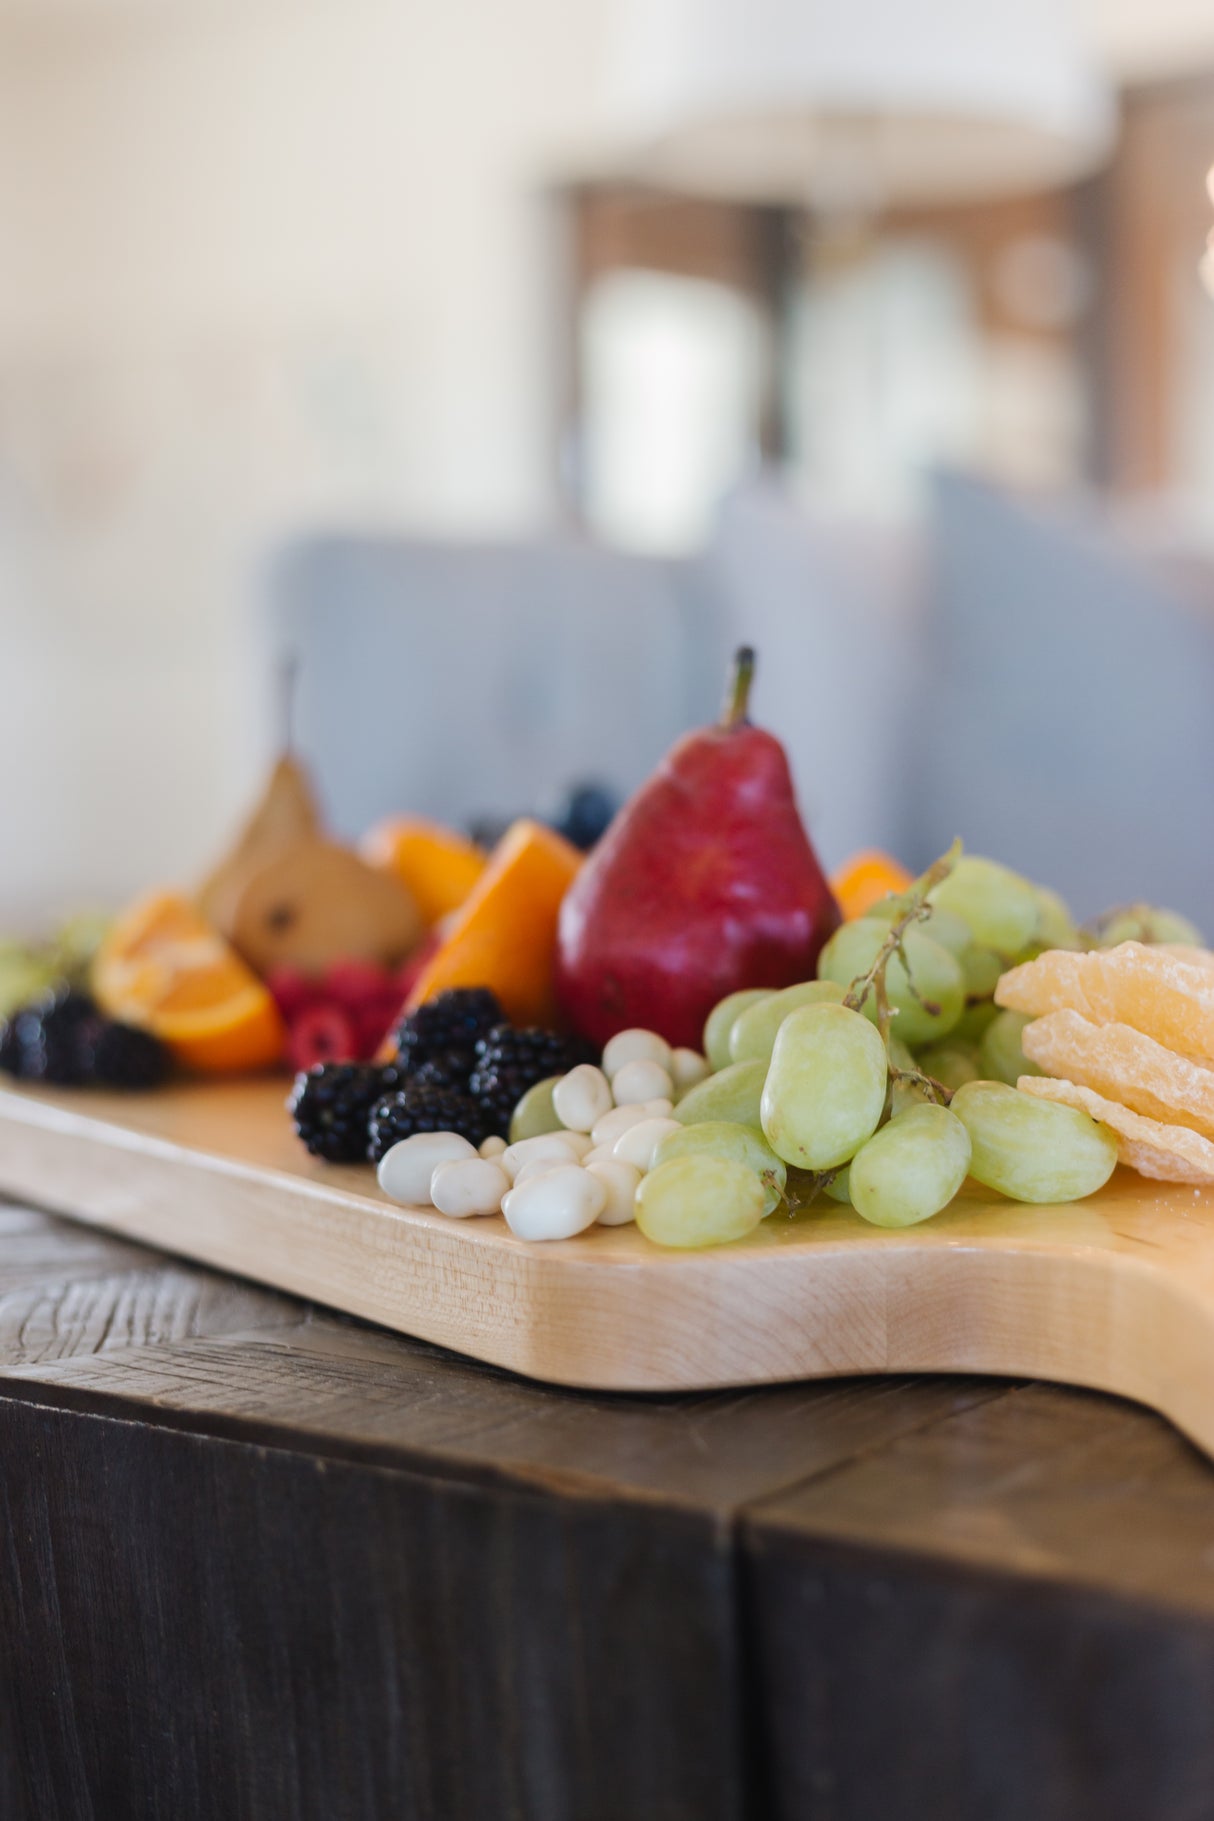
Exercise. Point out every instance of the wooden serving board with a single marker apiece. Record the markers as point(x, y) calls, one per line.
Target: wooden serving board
point(1116, 1292)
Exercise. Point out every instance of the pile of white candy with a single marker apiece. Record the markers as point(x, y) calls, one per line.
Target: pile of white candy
point(613, 1119)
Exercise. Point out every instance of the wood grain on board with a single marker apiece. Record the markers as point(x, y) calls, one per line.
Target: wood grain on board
point(1116, 1292)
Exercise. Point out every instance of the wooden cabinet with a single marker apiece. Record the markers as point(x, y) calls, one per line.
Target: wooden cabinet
point(259, 1561)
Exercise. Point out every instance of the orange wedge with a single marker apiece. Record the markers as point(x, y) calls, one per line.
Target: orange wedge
point(163, 967)
point(865, 878)
point(437, 867)
point(505, 935)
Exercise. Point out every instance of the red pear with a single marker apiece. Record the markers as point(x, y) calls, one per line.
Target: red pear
point(706, 882)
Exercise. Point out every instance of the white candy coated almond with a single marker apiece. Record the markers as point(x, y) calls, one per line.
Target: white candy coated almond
point(634, 1046)
point(581, 1097)
point(540, 1166)
point(638, 1144)
point(404, 1172)
point(467, 1186)
point(688, 1067)
point(639, 1081)
point(556, 1205)
point(611, 1125)
point(621, 1180)
point(548, 1144)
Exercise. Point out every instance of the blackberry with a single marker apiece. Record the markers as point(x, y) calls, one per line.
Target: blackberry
point(450, 1069)
point(413, 1109)
point(12, 1050)
point(510, 1061)
point(121, 1056)
point(331, 1106)
point(63, 1038)
point(48, 1031)
point(455, 1020)
point(498, 1108)
point(63, 1008)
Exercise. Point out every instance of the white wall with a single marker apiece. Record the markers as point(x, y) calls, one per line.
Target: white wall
point(260, 267)
point(1141, 39)
point(263, 264)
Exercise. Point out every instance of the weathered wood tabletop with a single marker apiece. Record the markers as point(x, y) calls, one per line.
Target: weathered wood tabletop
point(262, 1561)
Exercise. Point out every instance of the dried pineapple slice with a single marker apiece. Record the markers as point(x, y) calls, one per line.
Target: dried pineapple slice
point(1124, 1065)
point(1168, 1153)
point(1164, 995)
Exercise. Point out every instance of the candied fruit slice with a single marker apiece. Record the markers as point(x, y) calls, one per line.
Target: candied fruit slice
point(1124, 1065)
point(1168, 1153)
point(1166, 997)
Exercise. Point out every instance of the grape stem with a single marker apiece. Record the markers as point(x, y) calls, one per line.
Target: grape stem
point(935, 1090)
point(916, 910)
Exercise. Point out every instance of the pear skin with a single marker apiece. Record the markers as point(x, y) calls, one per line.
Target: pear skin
point(285, 813)
point(315, 903)
point(705, 884)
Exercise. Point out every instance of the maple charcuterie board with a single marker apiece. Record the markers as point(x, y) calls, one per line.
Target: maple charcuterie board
point(1115, 1292)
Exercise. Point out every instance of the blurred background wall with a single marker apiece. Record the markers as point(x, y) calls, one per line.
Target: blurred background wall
point(268, 268)
point(262, 266)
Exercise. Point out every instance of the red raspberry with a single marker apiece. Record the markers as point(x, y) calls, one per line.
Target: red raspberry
point(356, 984)
point(322, 1033)
point(293, 991)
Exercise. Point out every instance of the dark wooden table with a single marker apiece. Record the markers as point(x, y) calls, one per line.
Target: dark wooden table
point(260, 1561)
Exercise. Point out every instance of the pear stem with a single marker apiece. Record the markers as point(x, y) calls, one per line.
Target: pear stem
point(737, 692)
point(288, 672)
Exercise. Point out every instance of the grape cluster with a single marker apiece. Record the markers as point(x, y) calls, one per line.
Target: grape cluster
point(890, 1079)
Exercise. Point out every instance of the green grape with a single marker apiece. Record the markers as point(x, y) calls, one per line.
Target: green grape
point(743, 1143)
point(981, 968)
point(936, 974)
point(999, 906)
point(23, 975)
point(905, 1094)
point(77, 940)
point(911, 1168)
point(1030, 1149)
point(943, 926)
point(1056, 928)
point(1145, 923)
point(1000, 1054)
point(699, 1201)
point(732, 1094)
point(535, 1114)
point(838, 1186)
point(825, 1089)
point(753, 1036)
point(951, 1063)
point(973, 1021)
point(721, 1021)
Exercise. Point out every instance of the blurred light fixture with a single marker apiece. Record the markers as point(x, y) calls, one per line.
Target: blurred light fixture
point(847, 107)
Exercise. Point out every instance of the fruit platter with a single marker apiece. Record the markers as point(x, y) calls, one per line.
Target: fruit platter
point(668, 1109)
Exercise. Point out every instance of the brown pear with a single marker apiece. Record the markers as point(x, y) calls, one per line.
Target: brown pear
point(285, 814)
point(314, 903)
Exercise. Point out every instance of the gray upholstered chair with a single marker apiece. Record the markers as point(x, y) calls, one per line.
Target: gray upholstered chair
point(461, 680)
